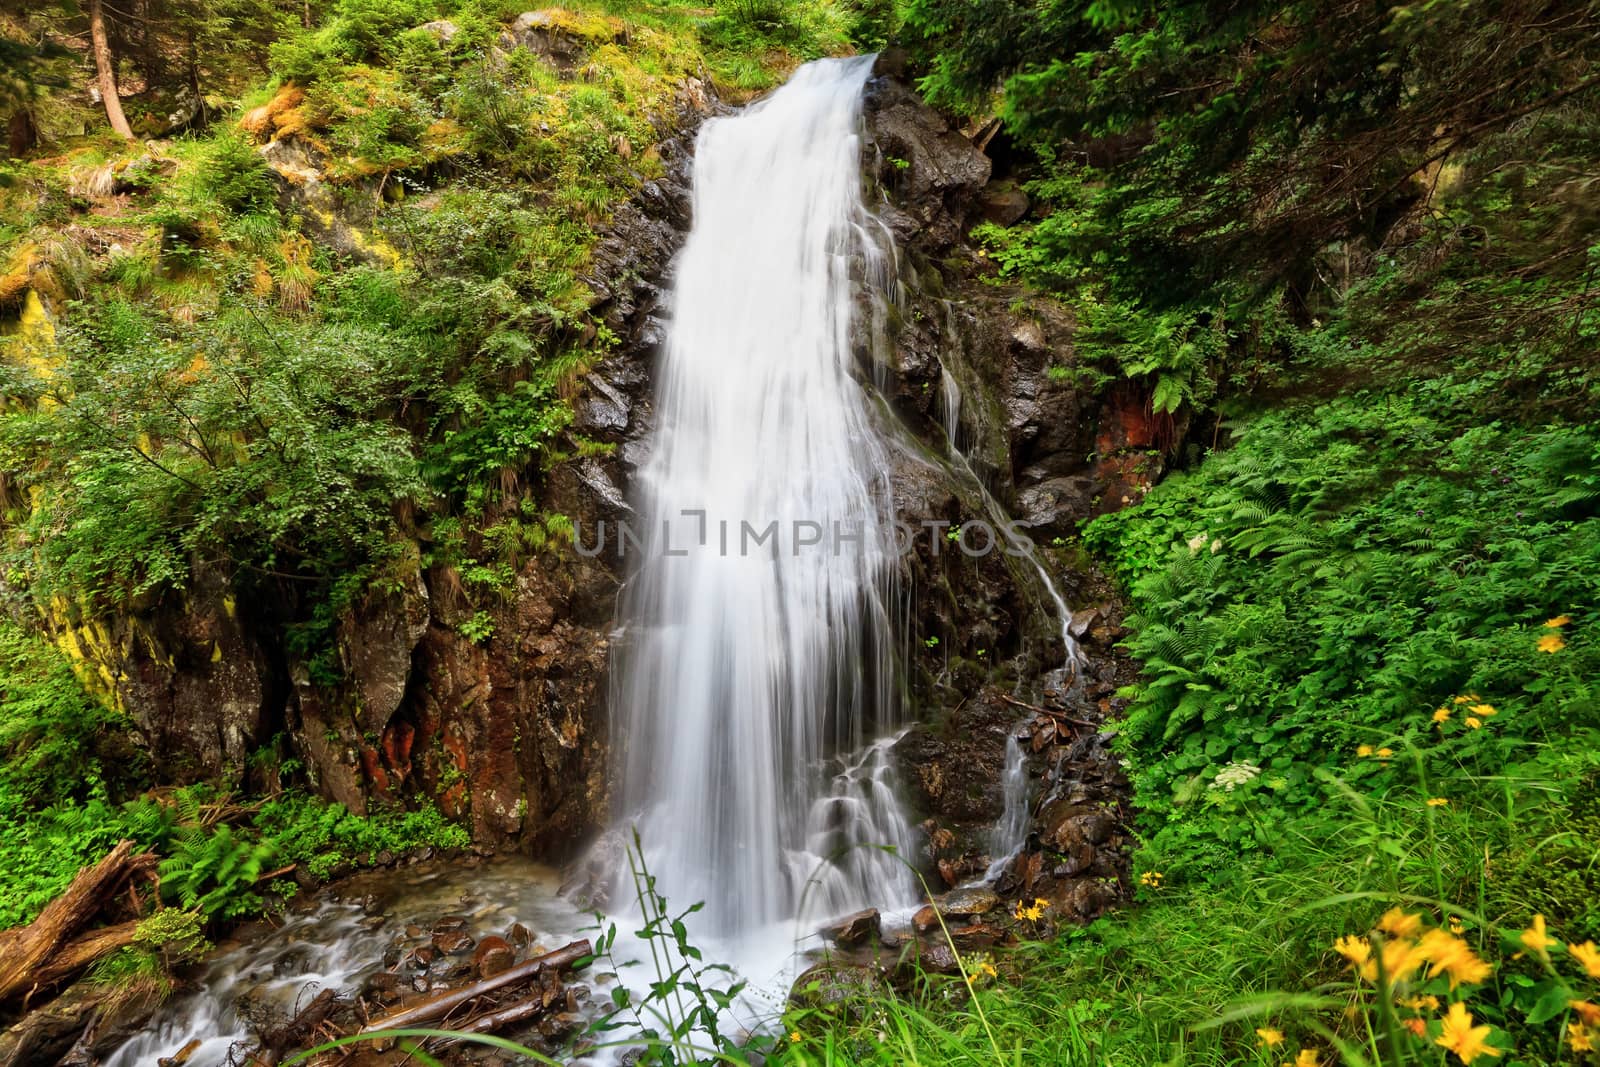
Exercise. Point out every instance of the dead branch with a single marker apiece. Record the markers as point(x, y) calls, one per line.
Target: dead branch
point(440, 1006)
point(40, 953)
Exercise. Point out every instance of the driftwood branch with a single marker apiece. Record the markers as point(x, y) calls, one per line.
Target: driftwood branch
point(438, 1007)
point(44, 952)
point(1047, 712)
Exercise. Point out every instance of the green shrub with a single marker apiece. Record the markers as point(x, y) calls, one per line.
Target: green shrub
point(236, 177)
point(1332, 579)
point(322, 836)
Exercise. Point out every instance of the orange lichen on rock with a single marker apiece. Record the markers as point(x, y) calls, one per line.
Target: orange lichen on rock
point(279, 117)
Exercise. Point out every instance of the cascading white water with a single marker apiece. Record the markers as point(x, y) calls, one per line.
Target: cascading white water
point(1011, 832)
point(950, 401)
point(752, 653)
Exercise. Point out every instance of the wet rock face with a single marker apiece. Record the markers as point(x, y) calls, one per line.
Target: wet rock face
point(189, 669)
point(933, 172)
point(493, 711)
point(981, 381)
point(496, 711)
point(1076, 856)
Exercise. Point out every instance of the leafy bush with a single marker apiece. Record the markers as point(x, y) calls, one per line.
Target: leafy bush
point(306, 830)
point(225, 438)
point(1335, 577)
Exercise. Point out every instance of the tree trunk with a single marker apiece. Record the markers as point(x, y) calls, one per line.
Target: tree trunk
point(106, 69)
point(21, 133)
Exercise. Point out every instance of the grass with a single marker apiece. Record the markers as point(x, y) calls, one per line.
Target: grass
point(1247, 969)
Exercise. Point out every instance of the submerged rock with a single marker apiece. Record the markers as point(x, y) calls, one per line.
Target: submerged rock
point(493, 955)
point(968, 902)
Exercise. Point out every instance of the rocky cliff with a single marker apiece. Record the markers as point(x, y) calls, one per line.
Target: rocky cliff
point(507, 732)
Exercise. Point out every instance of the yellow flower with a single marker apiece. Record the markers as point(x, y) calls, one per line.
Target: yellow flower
point(1535, 938)
point(1358, 950)
point(1589, 1013)
point(1306, 1058)
point(1588, 956)
point(1151, 879)
point(1485, 710)
point(1424, 1003)
point(1385, 753)
point(1400, 958)
point(794, 1037)
point(1551, 643)
point(1441, 716)
point(1270, 1038)
point(1473, 722)
point(1364, 750)
point(1466, 698)
point(1397, 923)
point(987, 970)
point(1461, 1037)
point(1031, 914)
point(1558, 622)
point(1579, 1037)
point(1453, 955)
point(1456, 925)
point(1438, 802)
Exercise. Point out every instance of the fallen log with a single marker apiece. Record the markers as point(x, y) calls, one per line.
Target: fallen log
point(25, 949)
point(1057, 715)
point(440, 1006)
point(77, 954)
point(539, 1001)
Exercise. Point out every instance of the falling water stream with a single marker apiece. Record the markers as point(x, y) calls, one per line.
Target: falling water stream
point(756, 675)
point(755, 690)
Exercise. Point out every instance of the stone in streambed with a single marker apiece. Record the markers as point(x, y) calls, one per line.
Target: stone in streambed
point(453, 943)
point(933, 956)
point(968, 902)
point(855, 929)
point(978, 935)
point(492, 956)
point(450, 935)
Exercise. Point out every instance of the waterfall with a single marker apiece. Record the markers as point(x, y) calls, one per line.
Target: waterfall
point(950, 407)
point(755, 645)
point(1011, 832)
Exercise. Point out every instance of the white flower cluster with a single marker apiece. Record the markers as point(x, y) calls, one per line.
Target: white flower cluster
point(1236, 774)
